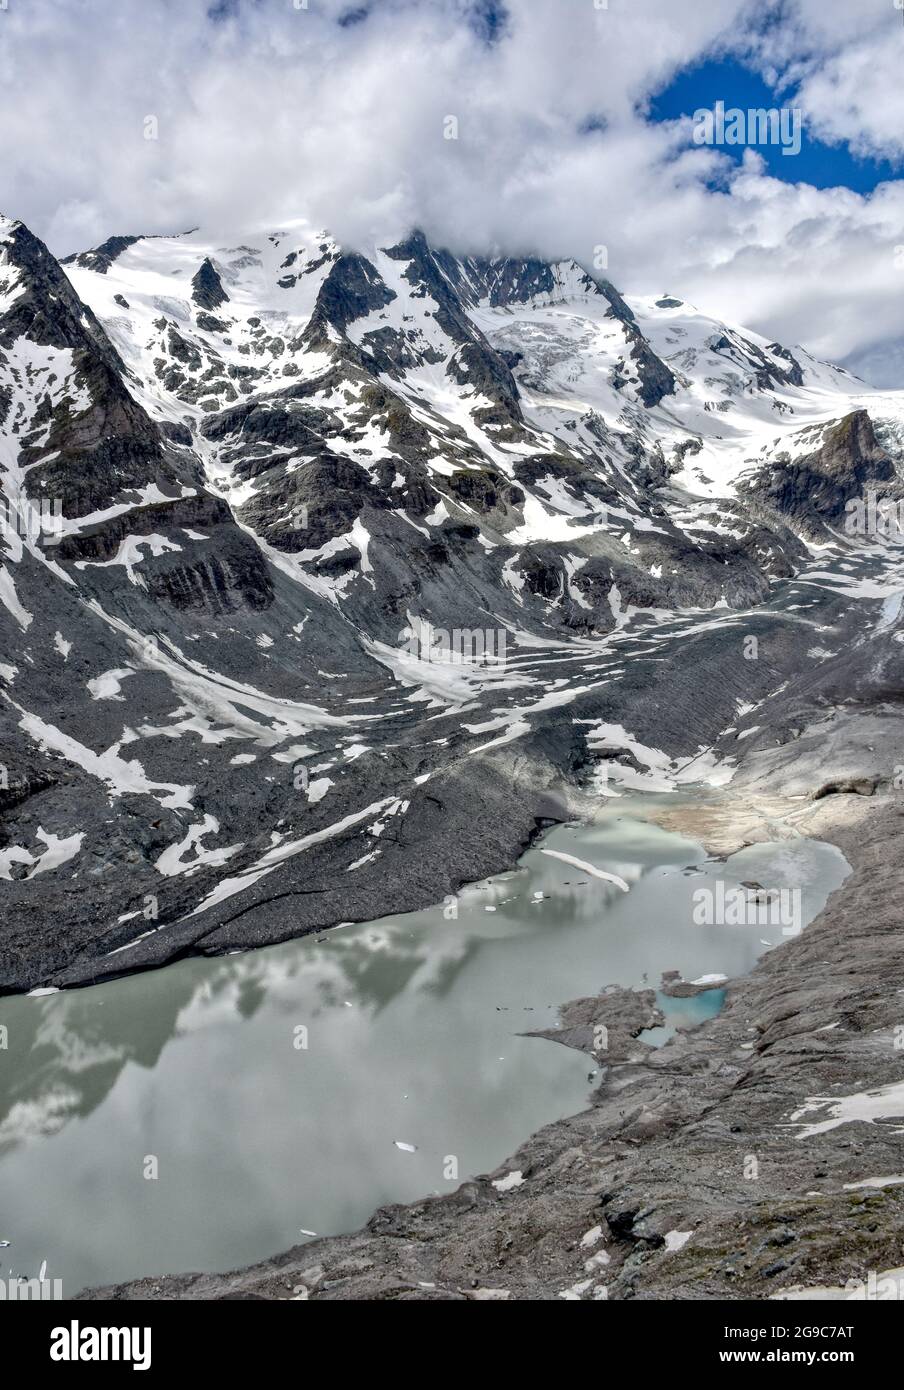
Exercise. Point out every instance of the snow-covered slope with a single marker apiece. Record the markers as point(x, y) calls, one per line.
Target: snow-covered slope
point(290, 530)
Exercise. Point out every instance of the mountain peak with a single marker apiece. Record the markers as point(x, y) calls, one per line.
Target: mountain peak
point(273, 458)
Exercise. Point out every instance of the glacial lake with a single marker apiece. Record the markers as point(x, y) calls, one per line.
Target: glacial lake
point(270, 1090)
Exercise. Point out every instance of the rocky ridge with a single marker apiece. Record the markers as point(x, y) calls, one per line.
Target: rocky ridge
point(352, 564)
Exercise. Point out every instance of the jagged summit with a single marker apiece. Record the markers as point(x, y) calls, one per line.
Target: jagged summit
point(278, 477)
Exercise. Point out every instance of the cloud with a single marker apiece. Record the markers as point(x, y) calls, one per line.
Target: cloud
point(340, 110)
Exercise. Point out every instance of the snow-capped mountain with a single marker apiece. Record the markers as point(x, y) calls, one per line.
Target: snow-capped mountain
point(321, 568)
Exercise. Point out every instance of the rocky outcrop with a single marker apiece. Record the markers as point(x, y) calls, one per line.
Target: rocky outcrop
point(812, 491)
point(207, 287)
point(101, 257)
point(350, 290)
point(95, 439)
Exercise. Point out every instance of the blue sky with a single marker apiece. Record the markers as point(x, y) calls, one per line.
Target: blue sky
point(820, 164)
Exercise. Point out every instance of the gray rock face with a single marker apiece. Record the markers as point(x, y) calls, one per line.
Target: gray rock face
point(341, 599)
point(812, 491)
point(78, 459)
point(207, 287)
point(394, 544)
point(103, 256)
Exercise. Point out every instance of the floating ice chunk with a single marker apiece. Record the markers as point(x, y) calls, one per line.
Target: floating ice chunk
point(588, 868)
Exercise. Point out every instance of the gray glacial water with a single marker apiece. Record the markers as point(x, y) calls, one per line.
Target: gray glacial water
point(272, 1088)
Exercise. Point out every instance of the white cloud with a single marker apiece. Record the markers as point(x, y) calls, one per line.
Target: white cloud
point(272, 111)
